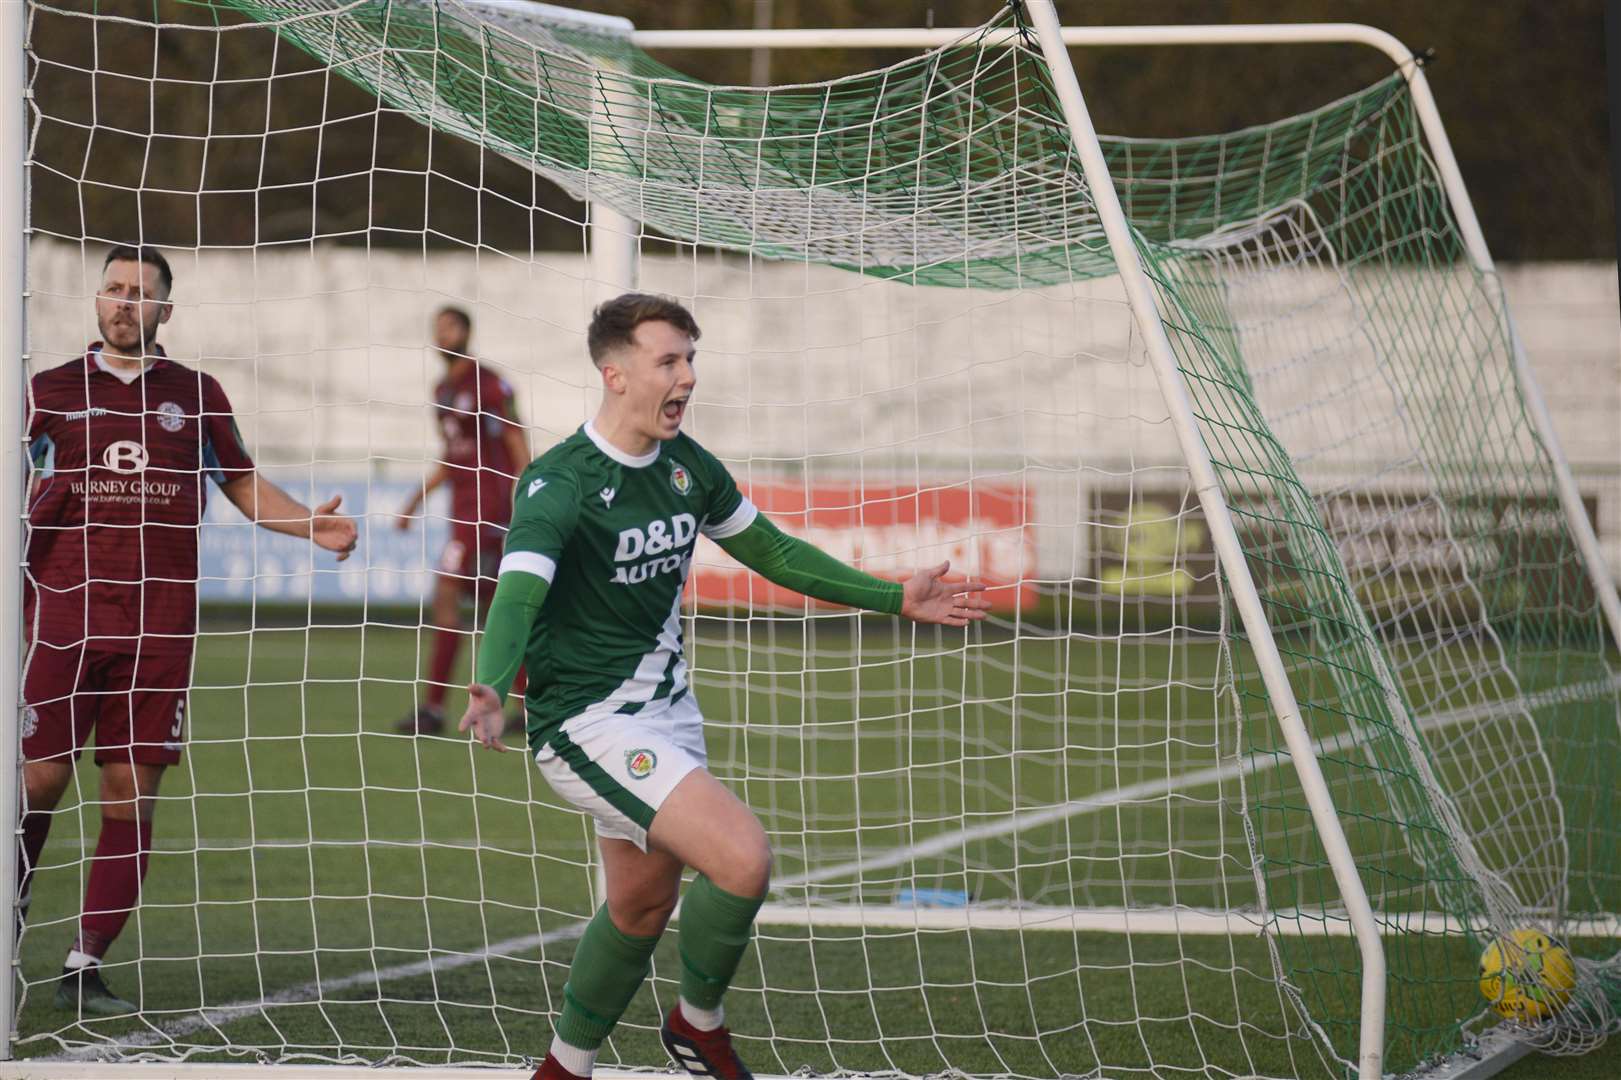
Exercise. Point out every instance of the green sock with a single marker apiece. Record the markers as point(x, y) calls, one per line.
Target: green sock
point(715, 927)
point(608, 967)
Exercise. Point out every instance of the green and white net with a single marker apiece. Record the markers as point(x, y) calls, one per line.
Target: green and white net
point(1069, 843)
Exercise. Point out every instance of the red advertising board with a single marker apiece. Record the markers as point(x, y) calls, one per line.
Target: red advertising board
point(889, 530)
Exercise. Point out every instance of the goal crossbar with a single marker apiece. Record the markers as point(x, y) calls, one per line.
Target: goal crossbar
point(1211, 34)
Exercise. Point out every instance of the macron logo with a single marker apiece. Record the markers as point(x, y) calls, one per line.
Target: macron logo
point(535, 485)
point(608, 496)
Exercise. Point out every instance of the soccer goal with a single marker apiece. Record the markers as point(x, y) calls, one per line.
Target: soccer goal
point(1301, 688)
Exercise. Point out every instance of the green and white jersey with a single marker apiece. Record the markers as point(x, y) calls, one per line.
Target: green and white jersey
point(614, 535)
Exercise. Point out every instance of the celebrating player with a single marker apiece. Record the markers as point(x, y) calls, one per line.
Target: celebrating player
point(484, 449)
point(121, 440)
point(601, 545)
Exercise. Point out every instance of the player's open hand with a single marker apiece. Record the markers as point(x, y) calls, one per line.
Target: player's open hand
point(334, 531)
point(484, 717)
point(928, 596)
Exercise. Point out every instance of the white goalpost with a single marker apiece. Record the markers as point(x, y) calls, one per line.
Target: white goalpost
point(1301, 685)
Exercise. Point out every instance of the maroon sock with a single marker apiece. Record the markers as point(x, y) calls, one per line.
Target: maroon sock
point(446, 644)
point(115, 883)
point(36, 827)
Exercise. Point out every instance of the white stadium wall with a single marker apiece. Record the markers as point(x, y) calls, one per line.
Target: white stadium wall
point(334, 390)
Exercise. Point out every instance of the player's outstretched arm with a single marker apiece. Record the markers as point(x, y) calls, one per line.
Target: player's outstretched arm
point(272, 508)
point(928, 596)
point(408, 512)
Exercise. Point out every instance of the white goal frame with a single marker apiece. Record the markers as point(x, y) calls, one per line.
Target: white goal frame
point(614, 257)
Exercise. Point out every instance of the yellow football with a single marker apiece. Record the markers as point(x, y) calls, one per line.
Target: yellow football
point(1527, 976)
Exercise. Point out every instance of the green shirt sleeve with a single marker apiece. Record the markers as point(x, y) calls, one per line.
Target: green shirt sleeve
point(517, 600)
point(726, 511)
point(545, 508)
point(544, 514)
point(794, 564)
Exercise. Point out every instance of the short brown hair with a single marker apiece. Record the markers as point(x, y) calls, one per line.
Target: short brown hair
point(147, 254)
point(614, 323)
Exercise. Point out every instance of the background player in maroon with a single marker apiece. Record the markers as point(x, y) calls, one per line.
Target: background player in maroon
point(484, 451)
point(121, 440)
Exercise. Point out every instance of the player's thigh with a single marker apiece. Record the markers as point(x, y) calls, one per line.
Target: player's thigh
point(708, 828)
point(620, 770)
point(459, 565)
point(143, 710)
point(702, 822)
point(59, 703)
point(486, 562)
point(448, 589)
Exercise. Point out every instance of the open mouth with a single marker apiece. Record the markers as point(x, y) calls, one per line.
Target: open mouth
point(675, 410)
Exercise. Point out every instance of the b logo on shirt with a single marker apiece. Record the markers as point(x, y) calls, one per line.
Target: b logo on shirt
point(124, 456)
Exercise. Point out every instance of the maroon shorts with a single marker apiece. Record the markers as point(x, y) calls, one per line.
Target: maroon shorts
point(135, 704)
point(473, 553)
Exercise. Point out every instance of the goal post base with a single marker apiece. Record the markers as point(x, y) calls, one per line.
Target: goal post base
point(1489, 1055)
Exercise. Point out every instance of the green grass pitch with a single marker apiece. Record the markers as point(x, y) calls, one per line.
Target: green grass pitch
point(322, 886)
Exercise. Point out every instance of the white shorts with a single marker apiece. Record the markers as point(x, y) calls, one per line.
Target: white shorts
point(621, 769)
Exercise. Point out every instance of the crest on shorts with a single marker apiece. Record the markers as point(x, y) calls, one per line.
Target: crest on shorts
point(680, 479)
point(171, 417)
point(640, 763)
point(30, 722)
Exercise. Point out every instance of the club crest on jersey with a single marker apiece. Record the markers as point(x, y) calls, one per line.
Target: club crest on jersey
point(171, 417)
point(680, 479)
point(640, 763)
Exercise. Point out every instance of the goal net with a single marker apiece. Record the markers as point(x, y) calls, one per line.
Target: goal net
point(1069, 842)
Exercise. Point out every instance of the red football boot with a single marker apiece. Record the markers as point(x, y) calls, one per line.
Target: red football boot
point(702, 1053)
point(552, 1069)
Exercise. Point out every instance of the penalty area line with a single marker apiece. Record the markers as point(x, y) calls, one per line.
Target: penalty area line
point(314, 992)
point(1152, 789)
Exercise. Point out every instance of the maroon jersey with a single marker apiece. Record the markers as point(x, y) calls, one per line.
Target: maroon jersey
point(115, 501)
point(475, 409)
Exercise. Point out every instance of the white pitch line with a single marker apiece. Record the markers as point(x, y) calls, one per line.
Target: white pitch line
point(316, 992)
point(1011, 823)
point(1171, 922)
point(520, 845)
point(1150, 789)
